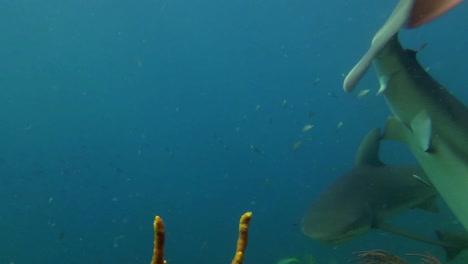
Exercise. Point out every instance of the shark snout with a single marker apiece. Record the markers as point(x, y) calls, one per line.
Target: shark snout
point(334, 229)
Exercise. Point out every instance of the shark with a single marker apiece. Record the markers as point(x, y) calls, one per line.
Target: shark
point(368, 195)
point(428, 118)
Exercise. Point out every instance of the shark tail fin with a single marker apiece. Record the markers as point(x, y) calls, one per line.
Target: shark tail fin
point(459, 240)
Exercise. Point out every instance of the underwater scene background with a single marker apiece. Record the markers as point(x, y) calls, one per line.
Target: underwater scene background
point(113, 112)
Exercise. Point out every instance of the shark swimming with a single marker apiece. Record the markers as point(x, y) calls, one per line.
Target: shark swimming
point(368, 195)
point(431, 121)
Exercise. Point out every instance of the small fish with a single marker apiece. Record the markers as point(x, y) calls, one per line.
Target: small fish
point(311, 113)
point(285, 103)
point(297, 146)
point(167, 149)
point(339, 126)
point(288, 260)
point(362, 93)
point(139, 62)
point(316, 81)
point(254, 148)
point(421, 47)
point(203, 246)
point(422, 180)
point(307, 127)
point(257, 107)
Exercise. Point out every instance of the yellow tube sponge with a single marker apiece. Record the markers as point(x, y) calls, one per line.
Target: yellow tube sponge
point(243, 238)
point(159, 238)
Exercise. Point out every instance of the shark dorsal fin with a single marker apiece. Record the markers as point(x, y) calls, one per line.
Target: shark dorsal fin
point(368, 152)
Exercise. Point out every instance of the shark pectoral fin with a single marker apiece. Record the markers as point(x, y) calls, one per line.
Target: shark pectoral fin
point(459, 242)
point(396, 130)
point(368, 152)
point(430, 206)
point(422, 128)
point(384, 81)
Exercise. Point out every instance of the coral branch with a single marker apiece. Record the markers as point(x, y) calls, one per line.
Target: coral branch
point(427, 258)
point(378, 257)
point(243, 238)
point(159, 238)
point(385, 257)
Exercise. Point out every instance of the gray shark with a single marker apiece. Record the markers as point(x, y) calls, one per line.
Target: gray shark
point(366, 196)
point(428, 119)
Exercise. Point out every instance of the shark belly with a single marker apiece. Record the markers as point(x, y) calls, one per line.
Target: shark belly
point(432, 123)
point(447, 172)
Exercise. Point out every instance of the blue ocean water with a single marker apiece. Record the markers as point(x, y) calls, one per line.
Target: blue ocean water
point(113, 112)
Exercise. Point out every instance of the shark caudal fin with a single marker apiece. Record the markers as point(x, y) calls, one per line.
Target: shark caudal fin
point(460, 242)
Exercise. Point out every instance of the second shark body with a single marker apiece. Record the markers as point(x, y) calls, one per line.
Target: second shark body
point(371, 193)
